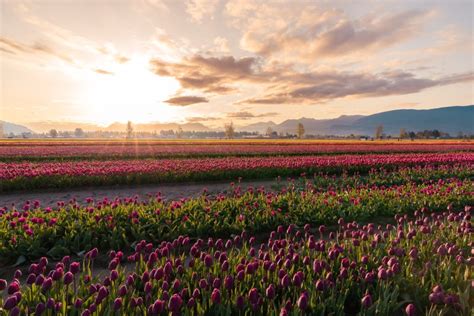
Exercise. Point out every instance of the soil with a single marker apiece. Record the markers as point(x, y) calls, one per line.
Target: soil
point(168, 192)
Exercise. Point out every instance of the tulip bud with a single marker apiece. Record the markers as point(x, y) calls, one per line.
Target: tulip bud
point(303, 301)
point(40, 308)
point(68, 278)
point(117, 303)
point(216, 296)
point(410, 310)
point(367, 301)
point(270, 292)
point(175, 303)
point(10, 302)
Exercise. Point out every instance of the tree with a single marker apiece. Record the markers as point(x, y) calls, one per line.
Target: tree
point(379, 132)
point(269, 131)
point(300, 130)
point(229, 130)
point(129, 129)
point(179, 132)
point(403, 133)
point(53, 133)
point(78, 132)
point(412, 135)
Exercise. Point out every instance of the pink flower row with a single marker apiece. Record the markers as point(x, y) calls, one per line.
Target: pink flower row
point(13, 170)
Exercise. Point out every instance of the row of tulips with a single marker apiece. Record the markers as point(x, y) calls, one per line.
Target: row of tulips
point(420, 265)
point(71, 228)
point(41, 150)
point(27, 175)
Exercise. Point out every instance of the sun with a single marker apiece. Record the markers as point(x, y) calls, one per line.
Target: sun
point(131, 92)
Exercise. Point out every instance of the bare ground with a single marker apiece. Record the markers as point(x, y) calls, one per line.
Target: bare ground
point(168, 191)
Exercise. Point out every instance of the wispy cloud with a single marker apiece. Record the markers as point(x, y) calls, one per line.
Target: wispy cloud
point(186, 100)
point(200, 9)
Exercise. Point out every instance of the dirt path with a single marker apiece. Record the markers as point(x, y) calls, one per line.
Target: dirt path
point(168, 191)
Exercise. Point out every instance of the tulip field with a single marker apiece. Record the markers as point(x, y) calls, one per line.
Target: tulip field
point(51, 150)
point(347, 228)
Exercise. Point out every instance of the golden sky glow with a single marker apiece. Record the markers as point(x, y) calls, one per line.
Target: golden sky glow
point(213, 61)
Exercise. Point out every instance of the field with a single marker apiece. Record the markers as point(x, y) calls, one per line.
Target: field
point(347, 228)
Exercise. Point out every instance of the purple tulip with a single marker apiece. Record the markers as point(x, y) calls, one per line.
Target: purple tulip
point(40, 308)
point(410, 310)
point(285, 281)
point(175, 303)
point(203, 284)
point(208, 261)
point(229, 282)
point(270, 292)
point(367, 301)
point(15, 311)
point(303, 301)
point(253, 295)
point(50, 303)
point(31, 279)
point(117, 303)
point(158, 307)
point(10, 302)
point(13, 287)
point(47, 283)
point(216, 296)
point(240, 302)
point(68, 278)
point(382, 274)
point(78, 303)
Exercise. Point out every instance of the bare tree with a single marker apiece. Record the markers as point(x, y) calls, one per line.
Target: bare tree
point(179, 132)
point(403, 133)
point(78, 132)
point(53, 133)
point(300, 130)
point(269, 131)
point(129, 129)
point(229, 130)
point(379, 131)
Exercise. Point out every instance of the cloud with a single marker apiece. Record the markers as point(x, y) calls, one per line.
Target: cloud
point(121, 59)
point(208, 74)
point(17, 48)
point(245, 115)
point(310, 88)
point(301, 31)
point(287, 84)
point(103, 71)
point(198, 119)
point(199, 9)
point(186, 100)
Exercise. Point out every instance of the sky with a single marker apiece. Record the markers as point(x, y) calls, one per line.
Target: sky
point(245, 61)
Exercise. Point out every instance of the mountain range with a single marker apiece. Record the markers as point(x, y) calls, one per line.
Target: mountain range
point(452, 120)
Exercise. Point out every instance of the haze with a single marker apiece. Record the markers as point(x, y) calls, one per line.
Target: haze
point(214, 61)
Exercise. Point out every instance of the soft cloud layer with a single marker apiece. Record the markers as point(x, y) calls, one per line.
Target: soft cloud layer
point(220, 60)
point(221, 75)
point(308, 31)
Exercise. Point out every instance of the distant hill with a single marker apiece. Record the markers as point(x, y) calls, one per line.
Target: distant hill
point(151, 127)
point(260, 127)
point(452, 120)
point(14, 128)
